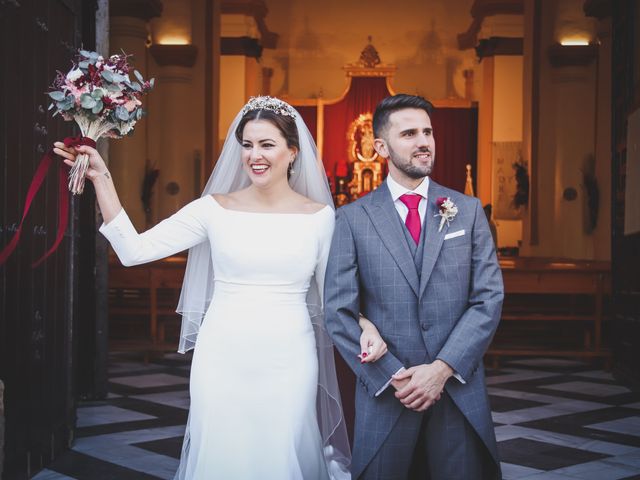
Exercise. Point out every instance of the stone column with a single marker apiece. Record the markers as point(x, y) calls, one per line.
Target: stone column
point(172, 129)
point(500, 48)
point(128, 156)
point(565, 126)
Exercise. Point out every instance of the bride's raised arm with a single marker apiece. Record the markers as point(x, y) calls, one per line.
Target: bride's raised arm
point(179, 232)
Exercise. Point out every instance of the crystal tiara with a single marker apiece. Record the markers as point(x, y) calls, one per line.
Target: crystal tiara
point(269, 103)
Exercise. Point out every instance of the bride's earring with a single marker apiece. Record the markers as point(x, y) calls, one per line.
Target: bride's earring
point(291, 170)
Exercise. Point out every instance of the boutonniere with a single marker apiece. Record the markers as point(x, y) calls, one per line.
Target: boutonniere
point(447, 210)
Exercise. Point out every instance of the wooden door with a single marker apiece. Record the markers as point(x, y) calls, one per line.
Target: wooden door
point(625, 262)
point(39, 307)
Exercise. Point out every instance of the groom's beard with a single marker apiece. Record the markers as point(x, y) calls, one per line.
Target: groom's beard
point(408, 168)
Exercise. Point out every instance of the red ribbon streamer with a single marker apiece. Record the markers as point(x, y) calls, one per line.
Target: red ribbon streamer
point(63, 200)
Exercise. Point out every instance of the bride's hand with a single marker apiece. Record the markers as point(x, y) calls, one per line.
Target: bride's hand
point(372, 346)
point(97, 166)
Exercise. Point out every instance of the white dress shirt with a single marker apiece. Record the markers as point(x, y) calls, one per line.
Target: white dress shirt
point(397, 191)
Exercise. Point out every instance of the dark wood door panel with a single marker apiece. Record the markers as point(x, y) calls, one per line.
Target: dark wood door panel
point(38, 307)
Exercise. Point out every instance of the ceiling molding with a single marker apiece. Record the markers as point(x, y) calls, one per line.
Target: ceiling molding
point(489, 47)
point(247, 46)
point(143, 9)
point(258, 10)
point(487, 8)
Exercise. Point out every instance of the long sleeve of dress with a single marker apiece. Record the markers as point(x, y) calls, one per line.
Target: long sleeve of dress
point(181, 231)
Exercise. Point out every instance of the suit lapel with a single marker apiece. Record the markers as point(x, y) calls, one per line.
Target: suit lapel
point(384, 216)
point(433, 239)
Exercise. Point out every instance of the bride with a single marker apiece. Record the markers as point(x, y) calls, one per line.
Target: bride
point(264, 394)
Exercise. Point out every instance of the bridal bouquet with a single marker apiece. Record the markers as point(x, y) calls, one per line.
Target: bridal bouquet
point(99, 95)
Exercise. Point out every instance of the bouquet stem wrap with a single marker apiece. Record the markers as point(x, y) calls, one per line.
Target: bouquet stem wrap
point(90, 131)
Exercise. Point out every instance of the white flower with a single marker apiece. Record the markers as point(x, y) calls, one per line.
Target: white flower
point(447, 210)
point(74, 74)
point(114, 95)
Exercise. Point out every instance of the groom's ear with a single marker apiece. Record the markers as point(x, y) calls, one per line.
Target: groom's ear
point(381, 147)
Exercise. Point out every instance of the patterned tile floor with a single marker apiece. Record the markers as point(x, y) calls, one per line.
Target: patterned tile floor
point(554, 419)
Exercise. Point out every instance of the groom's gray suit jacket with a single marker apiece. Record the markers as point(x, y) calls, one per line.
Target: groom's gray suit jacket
point(447, 309)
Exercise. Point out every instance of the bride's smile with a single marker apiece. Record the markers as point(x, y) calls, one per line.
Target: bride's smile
point(265, 153)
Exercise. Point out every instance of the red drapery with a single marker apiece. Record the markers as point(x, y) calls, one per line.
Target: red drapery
point(310, 116)
point(455, 131)
point(363, 96)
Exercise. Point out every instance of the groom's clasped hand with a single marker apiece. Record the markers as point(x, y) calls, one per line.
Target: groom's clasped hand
point(419, 387)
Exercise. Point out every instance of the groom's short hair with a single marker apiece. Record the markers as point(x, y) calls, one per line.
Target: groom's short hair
point(394, 103)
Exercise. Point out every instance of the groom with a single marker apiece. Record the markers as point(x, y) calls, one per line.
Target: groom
point(424, 271)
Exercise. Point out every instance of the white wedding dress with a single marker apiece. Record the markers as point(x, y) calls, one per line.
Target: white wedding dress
point(254, 375)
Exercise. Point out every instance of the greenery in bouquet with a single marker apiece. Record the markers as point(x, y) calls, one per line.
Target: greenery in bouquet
point(99, 95)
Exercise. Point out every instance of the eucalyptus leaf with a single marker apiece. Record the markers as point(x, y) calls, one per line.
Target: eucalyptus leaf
point(98, 107)
point(85, 53)
point(119, 78)
point(113, 87)
point(136, 86)
point(121, 113)
point(57, 95)
point(84, 64)
point(63, 106)
point(51, 106)
point(138, 76)
point(87, 101)
point(97, 94)
point(108, 76)
point(152, 82)
point(70, 102)
point(139, 113)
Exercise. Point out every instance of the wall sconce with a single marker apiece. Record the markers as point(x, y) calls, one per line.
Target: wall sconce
point(572, 54)
point(173, 40)
point(174, 55)
point(574, 41)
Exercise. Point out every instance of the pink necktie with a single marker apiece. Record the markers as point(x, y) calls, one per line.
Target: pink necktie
point(413, 217)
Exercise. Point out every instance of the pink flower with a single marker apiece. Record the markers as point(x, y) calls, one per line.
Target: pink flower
point(132, 104)
point(75, 91)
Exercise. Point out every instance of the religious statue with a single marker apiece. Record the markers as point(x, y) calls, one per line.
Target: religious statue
point(367, 167)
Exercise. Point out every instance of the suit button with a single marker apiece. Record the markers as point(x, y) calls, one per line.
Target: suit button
point(424, 326)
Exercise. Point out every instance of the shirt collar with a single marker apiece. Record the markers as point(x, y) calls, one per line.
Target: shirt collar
point(398, 190)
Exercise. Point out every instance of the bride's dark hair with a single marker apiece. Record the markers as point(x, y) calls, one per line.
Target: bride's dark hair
point(284, 123)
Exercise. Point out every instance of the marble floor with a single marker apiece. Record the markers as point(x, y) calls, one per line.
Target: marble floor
point(554, 419)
